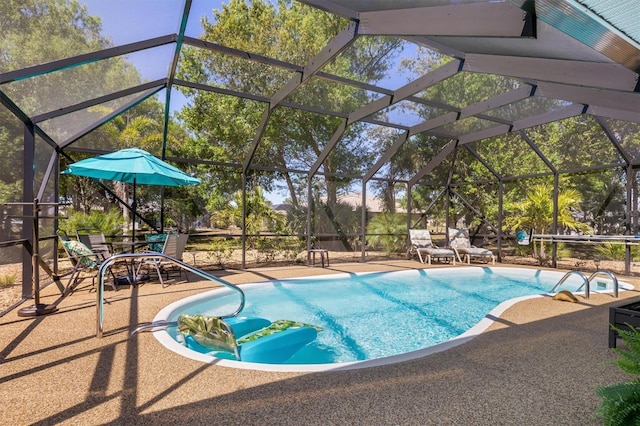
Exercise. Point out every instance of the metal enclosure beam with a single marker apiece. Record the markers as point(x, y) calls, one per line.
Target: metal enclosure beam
point(626, 101)
point(616, 114)
point(607, 131)
point(85, 59)
point(28, 196)
point(589, 74)
point(404, 92)
point(340, 42)
point(466, 20)
point(444, 152)
point(158, 84)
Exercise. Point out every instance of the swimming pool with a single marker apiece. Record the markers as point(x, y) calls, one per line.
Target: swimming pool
point(376, 318)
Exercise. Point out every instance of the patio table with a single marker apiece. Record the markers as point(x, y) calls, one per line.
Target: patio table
point(129, 247)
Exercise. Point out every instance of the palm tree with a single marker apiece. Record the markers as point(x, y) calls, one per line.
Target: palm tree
point(260, 215)
point(535, 212)
point(389, 230)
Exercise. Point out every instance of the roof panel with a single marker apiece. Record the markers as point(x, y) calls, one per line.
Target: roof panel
point(126, 21)
point(466, 88)
point(66, 126)
point(212, 68)
point(376, 5)
point(52, 91)
point(384, 61)
point(549, 43)
point(528, 107)
point(408, 113)
point(331, 96)
point(623, 15)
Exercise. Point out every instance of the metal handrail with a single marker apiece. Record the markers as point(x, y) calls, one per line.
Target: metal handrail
point(567, 275)
point(154, 255)
point(608, 273)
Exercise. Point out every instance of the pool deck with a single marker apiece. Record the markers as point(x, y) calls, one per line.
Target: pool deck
point(538, 364)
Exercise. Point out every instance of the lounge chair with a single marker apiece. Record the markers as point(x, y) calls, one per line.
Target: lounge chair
point(421, 244)
point(459, 241)
point(174, 246)
point(82, 259)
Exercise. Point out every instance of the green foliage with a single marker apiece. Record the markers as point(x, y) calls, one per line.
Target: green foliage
point(7, 280)
point(536, 212)
point(621, 402)
point(611, 251)
point(221, 252)
point(389, 231)
point(293, 32)
point(260, 216)
point(273, 248)
point(109, 222)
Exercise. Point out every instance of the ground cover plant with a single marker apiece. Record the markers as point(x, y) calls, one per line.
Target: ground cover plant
point(621, 401)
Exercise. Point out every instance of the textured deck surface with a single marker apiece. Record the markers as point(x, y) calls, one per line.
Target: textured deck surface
point(539, 364)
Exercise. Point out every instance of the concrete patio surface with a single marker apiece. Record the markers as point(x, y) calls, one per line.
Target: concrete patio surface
point(538, 364)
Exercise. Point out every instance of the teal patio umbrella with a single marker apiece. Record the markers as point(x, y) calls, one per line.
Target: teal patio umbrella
point(134, 166)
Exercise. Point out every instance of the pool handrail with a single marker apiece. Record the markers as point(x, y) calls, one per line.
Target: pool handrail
point(107, 263)
point(587, 281)
point(567, 275)
point(614, 280)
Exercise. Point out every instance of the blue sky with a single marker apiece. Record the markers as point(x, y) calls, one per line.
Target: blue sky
point(146, 19)
point(153, 18)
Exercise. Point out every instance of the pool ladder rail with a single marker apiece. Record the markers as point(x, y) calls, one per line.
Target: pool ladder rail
point(587, 281)
point(154, 255)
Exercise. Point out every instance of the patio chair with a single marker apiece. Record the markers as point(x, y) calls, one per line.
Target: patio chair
point(156, 241)
point(421, 244)
point(82, 259)
point(97, 243)
point(174, 246)
point(460, 242)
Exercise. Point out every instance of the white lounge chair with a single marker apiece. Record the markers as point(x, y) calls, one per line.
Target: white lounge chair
point(421, 244)
point(460, 242)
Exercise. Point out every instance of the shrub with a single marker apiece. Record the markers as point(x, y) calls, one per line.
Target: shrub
point(221, 252)
point(108, 222)
point(621, 401)
point(389, 231)
point(7, 280)
point(610, 251)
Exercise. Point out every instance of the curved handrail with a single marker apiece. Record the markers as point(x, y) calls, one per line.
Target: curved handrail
point(608, 273)
point(154, 324)
point(154, 255)
point(567, 275)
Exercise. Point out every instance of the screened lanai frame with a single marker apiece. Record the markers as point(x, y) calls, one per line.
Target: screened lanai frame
point(574, 51)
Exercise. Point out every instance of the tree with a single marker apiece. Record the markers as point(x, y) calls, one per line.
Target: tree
point(34, 32)
point(388, 230)
point(260, 216)
point(535, 212)
point(292, 32)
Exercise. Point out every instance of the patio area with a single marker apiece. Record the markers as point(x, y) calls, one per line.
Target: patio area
point(539, 363)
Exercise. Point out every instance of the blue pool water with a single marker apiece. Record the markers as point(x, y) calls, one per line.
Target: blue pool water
point(372, 316)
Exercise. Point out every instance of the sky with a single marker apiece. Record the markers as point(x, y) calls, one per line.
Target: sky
point(154, 18)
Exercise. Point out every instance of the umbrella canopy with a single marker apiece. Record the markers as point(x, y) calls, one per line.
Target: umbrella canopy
point(131, 165)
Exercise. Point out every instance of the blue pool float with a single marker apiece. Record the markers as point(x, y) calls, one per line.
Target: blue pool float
point(248, 339)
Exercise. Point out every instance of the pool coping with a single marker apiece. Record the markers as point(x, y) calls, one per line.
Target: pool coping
point(170, 343)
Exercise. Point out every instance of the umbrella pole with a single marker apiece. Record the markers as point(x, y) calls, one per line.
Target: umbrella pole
point(133, 209)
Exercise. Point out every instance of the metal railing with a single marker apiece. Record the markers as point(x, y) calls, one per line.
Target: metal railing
point(587, 281)
point(607, 273)
point(153, 255)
